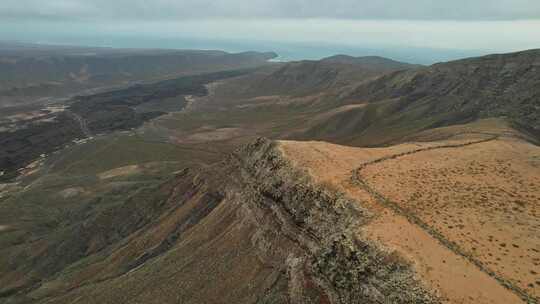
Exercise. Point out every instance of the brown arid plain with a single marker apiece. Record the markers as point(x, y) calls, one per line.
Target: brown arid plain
point(462, 210)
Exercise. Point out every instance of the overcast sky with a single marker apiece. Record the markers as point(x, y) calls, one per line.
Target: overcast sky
point(348, 9)
point(480, 25)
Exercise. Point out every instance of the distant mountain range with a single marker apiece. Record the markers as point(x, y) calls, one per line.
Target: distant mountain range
point(32, 72)
point(310, 76)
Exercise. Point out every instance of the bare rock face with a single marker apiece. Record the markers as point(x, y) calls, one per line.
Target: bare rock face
point(327, 261)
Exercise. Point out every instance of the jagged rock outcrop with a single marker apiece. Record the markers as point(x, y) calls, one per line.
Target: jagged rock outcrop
point(327, 252)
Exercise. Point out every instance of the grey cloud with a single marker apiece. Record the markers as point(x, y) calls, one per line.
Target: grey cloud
point(336, 9)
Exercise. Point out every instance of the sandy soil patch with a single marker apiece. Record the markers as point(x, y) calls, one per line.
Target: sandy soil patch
point(190, 101)
point(452, 276)
point(7, 186)
point(32, 168)
point(330, 163)
point(71, 192)
point(121, 171)
point(278, 100)
point(339, 110)
point(485, 198)
point(194, 102)
point(3, 228)
point(213, 135)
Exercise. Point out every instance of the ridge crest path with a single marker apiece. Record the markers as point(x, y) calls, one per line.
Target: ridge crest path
point(358, 180)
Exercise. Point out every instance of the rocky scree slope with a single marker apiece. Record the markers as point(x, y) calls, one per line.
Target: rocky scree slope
point(326, 261)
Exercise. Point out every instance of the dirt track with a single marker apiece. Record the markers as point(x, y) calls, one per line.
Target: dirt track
point(359, 180)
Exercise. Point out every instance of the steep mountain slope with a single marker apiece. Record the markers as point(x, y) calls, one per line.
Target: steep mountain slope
point(406, 102)
point(309, 77)
point(253, 229)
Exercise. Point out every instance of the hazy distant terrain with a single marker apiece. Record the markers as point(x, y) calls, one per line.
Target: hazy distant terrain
point(34, 73)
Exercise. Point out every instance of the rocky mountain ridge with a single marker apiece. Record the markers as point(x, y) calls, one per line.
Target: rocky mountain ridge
point(304, 234)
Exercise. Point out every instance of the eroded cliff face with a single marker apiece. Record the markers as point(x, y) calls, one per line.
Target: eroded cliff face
point(310, 234)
